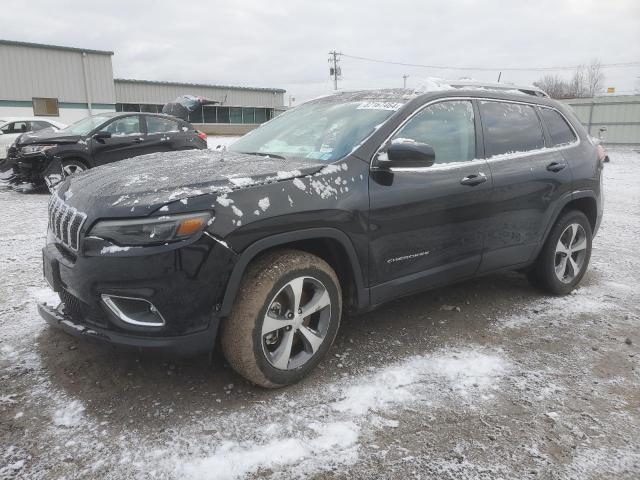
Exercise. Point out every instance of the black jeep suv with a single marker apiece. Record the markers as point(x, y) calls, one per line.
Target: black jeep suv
point(341, 204)
point(96, 140)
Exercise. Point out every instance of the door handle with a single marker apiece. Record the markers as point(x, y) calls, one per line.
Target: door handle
point(556, 167)
point(138, 140)
point(473, 180)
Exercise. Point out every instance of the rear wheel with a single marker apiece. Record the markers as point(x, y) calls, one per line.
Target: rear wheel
point(565, 256)
point(284, 320)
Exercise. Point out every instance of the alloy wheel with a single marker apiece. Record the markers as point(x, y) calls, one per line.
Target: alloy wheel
point(571, 251)
point(296, 323)
point(72, 169)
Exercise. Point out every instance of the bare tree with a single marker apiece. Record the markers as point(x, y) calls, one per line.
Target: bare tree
point(587, 81)
point(594, 78)
point(554, 85)
point(578, 83)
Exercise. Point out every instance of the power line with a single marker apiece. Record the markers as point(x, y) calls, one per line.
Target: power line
point(487, 69)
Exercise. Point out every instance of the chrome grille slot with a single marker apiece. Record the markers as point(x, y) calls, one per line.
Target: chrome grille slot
point(65, 222)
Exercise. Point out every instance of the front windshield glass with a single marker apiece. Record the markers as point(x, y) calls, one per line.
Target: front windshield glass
point(84, 126)
point(324, 130)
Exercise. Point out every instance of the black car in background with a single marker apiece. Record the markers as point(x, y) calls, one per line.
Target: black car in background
point(98, 140)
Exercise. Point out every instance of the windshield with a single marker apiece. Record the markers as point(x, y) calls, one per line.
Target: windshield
point(324, 130)
point(84, 126)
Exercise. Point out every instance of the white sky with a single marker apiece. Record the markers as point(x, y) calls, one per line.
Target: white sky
point(276, 43)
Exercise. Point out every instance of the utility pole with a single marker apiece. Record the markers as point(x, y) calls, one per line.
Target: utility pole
point(334, 69)
point(404, 80)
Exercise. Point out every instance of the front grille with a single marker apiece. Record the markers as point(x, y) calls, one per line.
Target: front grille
point(65, 222)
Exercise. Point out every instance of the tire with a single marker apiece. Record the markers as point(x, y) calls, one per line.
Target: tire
point(555, 268)
point(71, 167)
point(266, 300)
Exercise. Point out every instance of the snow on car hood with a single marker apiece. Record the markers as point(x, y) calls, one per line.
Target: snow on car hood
point(142, 184)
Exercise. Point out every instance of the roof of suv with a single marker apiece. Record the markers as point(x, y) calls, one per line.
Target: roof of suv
point(529, 94)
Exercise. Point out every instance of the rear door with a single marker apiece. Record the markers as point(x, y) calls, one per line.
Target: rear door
point(163, 134)
point(427, 225)
point(127, 140)
point(528, 176)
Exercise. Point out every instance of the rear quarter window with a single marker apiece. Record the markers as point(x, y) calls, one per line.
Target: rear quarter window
point(510, 127)
point(560, 132)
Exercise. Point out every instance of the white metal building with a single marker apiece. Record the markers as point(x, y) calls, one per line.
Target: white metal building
point(70, 83)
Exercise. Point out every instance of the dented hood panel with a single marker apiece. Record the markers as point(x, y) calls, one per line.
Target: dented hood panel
point(140, 185)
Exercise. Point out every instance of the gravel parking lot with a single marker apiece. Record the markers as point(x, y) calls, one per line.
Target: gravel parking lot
point(486, 379)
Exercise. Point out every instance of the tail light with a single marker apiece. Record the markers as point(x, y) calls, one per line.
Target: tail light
point(202, 135)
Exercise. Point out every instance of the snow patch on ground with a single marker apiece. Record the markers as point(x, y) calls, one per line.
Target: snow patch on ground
point(234, 460)
point(45, 295)
point(324, 430)
point(70, 415)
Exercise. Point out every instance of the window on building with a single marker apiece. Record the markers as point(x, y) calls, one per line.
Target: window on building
point(261, 115)
point(150, 108)
point(560, 132)
point(161, 125)
point(127, 107)
point(448, 127)
point(45, 107)
point(196, 116)
point(235, 115)
point(209, 113)
point(510, 127)
point(248, 115)
point(223, 114)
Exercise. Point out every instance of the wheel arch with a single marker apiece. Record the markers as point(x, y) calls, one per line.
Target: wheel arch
point(583, 201)
point(330, 244)
point(78, 158)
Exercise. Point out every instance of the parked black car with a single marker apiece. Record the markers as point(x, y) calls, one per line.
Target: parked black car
point(340, 204)
point(97, 140)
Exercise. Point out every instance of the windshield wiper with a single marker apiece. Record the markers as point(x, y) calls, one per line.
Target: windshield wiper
point(261, 154)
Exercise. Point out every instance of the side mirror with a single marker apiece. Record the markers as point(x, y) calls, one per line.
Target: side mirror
point(101, 135)
point(406, 154)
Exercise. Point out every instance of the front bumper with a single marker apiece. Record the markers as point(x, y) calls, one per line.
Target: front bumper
point(28, 168)
point(192, 344)
point(186, 285)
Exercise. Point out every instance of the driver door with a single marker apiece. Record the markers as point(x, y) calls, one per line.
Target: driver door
point(427, 225)
point(127, 140)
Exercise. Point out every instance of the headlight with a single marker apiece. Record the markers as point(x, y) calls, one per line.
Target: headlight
point(30, 149)
point(144, 231)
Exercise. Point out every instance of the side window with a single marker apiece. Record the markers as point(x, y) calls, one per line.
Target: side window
point(447, 126)
point(560, 132)
point(39, 125)
point(15, 127)
point(510, 127)
point(161, 125)
point(124, 126)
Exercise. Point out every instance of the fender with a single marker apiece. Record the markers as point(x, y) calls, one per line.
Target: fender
point(249, 253)
point(561, 203)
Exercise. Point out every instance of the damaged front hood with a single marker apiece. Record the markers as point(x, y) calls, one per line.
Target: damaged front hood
point(140, 185)
point(47, 136)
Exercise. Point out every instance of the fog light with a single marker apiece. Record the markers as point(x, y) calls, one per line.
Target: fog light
point(134, 311)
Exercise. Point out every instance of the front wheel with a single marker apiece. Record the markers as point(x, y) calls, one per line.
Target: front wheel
point(284, 320)
point(565, 256)
point(71, 167)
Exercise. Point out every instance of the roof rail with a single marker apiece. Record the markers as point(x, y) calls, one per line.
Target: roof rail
point(528, 89)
